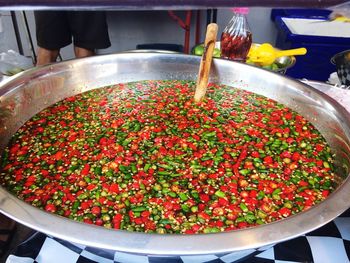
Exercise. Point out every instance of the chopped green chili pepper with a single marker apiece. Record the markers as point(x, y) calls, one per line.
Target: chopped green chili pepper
point(142, 156)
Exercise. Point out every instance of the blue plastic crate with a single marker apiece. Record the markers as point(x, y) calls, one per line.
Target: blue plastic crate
point(315, 65)
point(300, 12)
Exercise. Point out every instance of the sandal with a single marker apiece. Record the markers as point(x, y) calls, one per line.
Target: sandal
point(7, 230)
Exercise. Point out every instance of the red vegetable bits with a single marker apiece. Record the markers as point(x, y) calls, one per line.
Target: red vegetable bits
point(144, 157)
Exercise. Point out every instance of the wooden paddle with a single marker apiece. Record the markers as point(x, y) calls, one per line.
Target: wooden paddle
point(204, 68)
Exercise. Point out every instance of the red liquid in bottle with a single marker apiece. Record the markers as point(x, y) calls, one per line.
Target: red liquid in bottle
point(235, 47)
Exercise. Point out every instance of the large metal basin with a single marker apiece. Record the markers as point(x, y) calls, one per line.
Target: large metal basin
point(32, 91)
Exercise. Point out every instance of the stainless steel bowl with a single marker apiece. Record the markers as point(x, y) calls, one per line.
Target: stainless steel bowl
point(31, 91)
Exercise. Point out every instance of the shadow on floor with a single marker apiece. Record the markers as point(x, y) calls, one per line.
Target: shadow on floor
point(22, 233)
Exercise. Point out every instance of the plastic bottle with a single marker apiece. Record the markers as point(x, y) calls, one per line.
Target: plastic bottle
point(236, 38)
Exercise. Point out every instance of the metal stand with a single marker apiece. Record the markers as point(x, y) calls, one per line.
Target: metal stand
point(17, 34)
point(212, 15)
point(29, 35)
point(186, 25)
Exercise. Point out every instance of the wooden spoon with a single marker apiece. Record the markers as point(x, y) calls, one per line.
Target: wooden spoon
point(204, 68)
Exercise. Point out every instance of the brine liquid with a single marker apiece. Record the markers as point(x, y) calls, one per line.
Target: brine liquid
point(143, 156)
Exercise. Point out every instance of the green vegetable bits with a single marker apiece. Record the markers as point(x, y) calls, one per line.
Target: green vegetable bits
point(144, 157)
point(199, 50)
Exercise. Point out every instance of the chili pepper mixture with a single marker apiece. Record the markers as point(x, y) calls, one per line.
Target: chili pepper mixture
point(143, 156)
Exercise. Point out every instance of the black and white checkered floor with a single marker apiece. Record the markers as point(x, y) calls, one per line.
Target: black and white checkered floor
point(344, 74)
point(328, 244)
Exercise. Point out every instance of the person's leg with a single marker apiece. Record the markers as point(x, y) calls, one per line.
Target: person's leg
point(52, 33)
point(46, 56)
point(83, 52)
point(89, 30)
point(7, 228)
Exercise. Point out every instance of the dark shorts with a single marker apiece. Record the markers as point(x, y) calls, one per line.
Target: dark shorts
point(55, 29)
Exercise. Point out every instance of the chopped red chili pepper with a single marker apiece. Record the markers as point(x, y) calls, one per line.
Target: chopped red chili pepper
point(143, 156)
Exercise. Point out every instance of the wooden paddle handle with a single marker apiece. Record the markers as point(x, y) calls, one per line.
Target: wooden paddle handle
point(292, 52)
point(204, 68)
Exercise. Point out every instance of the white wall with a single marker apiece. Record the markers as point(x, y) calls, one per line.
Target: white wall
point(127, 29)
point(7, 33)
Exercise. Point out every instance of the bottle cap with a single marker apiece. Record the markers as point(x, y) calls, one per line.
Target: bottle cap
point(241, 10)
